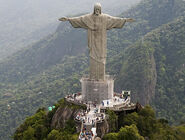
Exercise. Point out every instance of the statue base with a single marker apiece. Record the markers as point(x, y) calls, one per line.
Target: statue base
point(97, 91)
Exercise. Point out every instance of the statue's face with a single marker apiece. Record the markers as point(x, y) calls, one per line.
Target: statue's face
point(97, 11)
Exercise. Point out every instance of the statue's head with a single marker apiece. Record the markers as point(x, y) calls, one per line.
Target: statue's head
point(97, 9)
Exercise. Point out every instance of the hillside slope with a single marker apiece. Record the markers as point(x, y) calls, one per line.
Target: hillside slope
point(149, 14)
point(154, 67)
point(50, 50)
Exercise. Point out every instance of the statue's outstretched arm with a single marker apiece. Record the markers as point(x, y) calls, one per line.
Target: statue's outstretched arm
point(77, 22)
point(63, 19)
point(129, 19)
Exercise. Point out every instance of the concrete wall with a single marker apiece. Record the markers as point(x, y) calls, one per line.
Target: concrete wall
point(96, 91)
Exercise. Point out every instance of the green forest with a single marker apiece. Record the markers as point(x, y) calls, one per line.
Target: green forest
point(146, 57)
point(134, 126)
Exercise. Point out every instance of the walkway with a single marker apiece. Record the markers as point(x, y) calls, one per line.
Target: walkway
point(92, 115)
point(89, 120)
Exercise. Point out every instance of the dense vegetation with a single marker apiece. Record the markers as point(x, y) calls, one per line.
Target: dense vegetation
point(148, 62)
point(134, 126)
point(144, 125)
point(38, 126)
point(160, 56)
point(23, 101)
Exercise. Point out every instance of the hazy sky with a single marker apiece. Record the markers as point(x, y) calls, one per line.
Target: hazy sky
point(54, 8)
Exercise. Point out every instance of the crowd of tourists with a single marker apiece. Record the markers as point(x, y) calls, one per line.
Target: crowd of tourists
point(93, 115)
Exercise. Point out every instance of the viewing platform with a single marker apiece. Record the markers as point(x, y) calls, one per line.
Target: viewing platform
point(95, 112)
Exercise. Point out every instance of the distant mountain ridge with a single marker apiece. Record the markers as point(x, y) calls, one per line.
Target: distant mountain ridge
point(24, 22)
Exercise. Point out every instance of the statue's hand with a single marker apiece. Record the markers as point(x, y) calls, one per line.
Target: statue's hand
point(63, 19)
point(130, 20)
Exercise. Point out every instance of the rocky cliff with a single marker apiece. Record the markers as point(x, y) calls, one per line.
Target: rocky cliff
point(62, 115)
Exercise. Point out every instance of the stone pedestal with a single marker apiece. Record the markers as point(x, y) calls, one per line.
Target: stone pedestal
point(96, 91)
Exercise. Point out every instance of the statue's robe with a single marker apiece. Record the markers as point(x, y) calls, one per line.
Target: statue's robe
point(97, 27)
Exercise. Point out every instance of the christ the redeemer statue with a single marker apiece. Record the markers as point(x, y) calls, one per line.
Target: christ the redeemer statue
point(97, 25)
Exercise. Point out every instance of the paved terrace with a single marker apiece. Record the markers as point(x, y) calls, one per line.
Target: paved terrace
point(93, 114)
